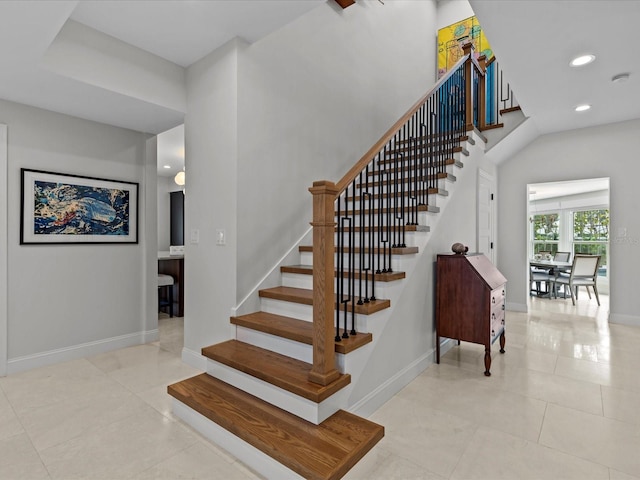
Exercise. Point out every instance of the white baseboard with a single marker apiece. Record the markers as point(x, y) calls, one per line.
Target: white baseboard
point(631, 320)
point(517, 307)
point(378, 397)
point(195, 359)
point(42, 359)
point(251, 456)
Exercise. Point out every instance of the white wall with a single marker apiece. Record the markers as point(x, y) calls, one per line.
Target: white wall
point(313, 97)
point(596, 152)
point(3, 249)
point(452, 11)
point(409, 337)
point(211, 144)
point(66, 301)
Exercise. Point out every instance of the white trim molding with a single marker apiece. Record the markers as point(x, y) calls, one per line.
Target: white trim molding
point(28, 362)
point(4, 229)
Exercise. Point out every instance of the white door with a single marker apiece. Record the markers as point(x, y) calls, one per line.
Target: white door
point(486, 214)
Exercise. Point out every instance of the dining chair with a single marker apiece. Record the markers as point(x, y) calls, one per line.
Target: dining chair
point(584, 273)
point(561, 256)
point(539, 276)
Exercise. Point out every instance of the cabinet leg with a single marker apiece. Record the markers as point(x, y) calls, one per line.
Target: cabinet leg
point(487, 361)
point(502, 342)
point(437, 349)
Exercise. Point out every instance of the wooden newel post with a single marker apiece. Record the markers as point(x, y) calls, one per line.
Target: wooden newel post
point(467, 48)
point(324, 370)
point(482, 92)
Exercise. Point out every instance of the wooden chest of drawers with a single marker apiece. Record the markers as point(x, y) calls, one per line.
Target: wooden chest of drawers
point(470, 302)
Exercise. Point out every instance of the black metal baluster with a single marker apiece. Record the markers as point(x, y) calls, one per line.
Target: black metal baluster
point(366, 257)
point(378, 194)
point(363, 232)
point(349, 297)
point(339, 271)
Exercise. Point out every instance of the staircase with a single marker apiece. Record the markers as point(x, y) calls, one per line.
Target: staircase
point(277, 396)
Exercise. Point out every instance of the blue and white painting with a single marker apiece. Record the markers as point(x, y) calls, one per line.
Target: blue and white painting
point(68, 209)
point(59, 208)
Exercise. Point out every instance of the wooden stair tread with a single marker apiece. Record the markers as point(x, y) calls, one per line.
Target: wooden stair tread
point(421, 192)
point(408, 168)
point(379, 277)
point(394, 251)
point(510, 109)
point(305, 297)
point(407, 228)
point(325, 451)
point(424, 151)
point(296, 330)
point(285, 372)
point(419, 208)
point(438, 176)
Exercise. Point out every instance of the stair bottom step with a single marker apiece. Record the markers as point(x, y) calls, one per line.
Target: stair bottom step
point(325, 451)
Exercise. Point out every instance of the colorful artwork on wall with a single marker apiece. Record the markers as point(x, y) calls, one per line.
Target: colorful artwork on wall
point(59, 208)
point(451, 38)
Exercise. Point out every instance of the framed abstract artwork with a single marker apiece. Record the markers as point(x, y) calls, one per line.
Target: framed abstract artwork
point(58, 208)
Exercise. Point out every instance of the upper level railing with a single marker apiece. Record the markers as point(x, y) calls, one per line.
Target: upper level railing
point(366, 215)
point(500, 98)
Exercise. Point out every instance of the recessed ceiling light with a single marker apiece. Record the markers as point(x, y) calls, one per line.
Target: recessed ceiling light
point(582, 108)
point(166, 166)
point(582, 60)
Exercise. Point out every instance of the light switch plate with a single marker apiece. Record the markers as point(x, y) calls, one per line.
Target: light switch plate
point(221, 236)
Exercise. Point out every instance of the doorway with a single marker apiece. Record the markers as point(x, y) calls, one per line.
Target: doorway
point(171, 193)
point(571, 216)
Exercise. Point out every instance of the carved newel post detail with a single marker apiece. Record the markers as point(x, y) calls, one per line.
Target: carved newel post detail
point(324, 370)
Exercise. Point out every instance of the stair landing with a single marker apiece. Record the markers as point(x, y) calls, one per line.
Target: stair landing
point(325, 451)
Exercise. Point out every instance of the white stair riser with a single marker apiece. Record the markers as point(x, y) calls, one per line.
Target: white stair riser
point(310, 411)
point(298, 280)
point(287, 309)
point(305, 312)
point(398, 262)
point(423, 219)
point(299, 351)
point(246, 453)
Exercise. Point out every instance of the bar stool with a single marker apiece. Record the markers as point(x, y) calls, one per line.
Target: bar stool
point(165, 285)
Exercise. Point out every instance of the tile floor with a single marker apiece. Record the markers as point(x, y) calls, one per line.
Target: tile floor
point(562, 403)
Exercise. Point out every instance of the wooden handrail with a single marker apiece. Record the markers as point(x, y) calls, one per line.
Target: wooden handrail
point(364, 161)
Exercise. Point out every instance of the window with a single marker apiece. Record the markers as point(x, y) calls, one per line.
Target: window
point(591, 235)
point(546, 232)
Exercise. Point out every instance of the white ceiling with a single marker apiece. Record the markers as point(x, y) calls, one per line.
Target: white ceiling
point(542, 191)
point(533, 40)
